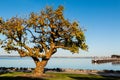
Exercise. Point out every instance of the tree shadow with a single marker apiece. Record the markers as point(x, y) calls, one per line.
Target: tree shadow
point(86, 78)
point(24, 76)
point(20, 78)
point(93, 77)
point(109, 73)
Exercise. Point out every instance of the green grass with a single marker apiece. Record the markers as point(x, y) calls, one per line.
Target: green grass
point(55, 76)
point(12, 74)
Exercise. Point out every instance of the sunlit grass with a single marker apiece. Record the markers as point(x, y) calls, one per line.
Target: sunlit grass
point(12, 74)
point(55, 76)
point(65, 76)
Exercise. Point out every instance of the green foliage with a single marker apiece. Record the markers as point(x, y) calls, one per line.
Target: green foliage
point(52, 27)
point(46, 31)
point(40, 35)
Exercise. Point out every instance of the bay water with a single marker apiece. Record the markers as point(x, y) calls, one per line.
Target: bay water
point(72, 63)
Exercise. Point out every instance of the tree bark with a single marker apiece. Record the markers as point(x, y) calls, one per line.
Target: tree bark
point(39, 70)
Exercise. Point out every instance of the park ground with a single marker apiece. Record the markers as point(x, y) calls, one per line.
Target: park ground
point(55, 76)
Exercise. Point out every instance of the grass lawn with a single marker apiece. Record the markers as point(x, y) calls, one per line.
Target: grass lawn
point(54, 76)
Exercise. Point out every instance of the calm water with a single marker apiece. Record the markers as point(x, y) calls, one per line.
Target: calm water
point(74, 63)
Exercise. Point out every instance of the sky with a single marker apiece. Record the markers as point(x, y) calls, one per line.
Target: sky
point(101, 18)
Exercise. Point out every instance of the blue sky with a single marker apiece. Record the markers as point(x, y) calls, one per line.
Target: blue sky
point(101, 18)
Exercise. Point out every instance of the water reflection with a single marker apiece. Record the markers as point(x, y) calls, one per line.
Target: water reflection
point(116, 63)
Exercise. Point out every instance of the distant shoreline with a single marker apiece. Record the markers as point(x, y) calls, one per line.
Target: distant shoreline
point(114, 73)
point(53, 56)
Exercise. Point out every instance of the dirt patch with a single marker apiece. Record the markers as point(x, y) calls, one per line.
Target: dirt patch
point(43, 76)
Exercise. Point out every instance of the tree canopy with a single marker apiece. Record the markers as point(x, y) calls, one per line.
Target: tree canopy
point(41, 34)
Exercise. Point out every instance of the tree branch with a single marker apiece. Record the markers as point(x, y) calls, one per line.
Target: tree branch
point(21, 52)
point(23, 45)
point(61, 47)
point(44, 46)
point(31, 33)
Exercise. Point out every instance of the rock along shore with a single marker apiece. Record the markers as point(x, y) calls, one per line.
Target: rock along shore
point(115, 73)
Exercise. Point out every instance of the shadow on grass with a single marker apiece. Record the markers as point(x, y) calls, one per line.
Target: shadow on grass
point(106, 75)
point(95, 78)
point(20, 78)
point(87, 78)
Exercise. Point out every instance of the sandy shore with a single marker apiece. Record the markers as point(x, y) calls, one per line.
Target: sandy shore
point(114, 73)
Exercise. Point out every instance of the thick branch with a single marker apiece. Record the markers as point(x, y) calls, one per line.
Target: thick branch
point(31, 33)
point(21, 52)
point(62, 47)
point(44, 46)
point(23, 45)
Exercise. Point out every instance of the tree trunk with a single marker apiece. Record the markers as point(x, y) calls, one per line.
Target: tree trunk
point(39, 70)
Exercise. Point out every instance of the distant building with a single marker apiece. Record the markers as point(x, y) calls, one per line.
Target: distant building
point(115, 56)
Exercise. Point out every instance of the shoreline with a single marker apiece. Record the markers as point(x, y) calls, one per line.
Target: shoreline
point(52, 56)
point(114, 73)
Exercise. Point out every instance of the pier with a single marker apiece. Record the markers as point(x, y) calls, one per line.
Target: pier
point(105, 60)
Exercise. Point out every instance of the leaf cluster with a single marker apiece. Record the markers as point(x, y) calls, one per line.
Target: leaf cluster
point(46, 31)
